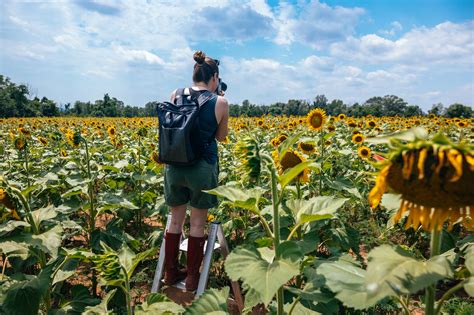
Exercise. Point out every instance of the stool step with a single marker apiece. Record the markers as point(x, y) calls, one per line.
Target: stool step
point(184, 246)
point(179, 285)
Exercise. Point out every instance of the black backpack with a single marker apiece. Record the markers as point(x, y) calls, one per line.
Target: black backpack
point(179, 141)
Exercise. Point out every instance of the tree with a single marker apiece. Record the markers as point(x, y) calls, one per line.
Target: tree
point(374, 106)
point(336, 107)
point(320, 101)
point(458, 110)
point(413, 110)
point(437, 109)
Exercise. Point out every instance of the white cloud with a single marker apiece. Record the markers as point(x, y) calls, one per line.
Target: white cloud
point(139, 56)
point(314, 23)
point(18, 21)
point(395, 28)
point(448, 43)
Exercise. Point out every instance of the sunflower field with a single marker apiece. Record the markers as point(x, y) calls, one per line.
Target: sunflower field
point(323, 215)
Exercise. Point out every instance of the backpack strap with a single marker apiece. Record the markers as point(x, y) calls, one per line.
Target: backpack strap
point(205, 97)
point(179, 97)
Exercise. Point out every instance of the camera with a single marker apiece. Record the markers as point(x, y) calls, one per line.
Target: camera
point(221, 87)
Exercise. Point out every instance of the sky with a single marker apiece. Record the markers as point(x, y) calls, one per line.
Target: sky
point(270, 51)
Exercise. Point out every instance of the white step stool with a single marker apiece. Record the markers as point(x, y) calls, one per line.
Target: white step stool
point(215, 232)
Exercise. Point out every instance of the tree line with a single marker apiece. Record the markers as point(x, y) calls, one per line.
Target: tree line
point(15, 102)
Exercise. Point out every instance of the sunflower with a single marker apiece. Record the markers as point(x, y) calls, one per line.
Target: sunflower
point(434, 178)
point(111, 131)
point(63, 153)
point(363, 152)
point(20, 144)
point(351, 123)
point(331, 128)
point(76, 139)
point(461, 124)
point(316, 119)
point(290, 159)
point(307, 147)
point(42, 140)
point(278, 140)
point(357, 138)
point(24, 131)
point(210, 217)
point(248, 152)
point(371, 124)
point(156, 158)
point(275, 142)
point(6, 200)
point(260, 122)
point(341, 117)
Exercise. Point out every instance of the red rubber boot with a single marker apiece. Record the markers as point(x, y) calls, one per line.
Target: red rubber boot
point(172, 273)
point(195, 255)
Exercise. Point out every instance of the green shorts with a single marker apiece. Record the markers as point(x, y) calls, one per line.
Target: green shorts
point(185, 184)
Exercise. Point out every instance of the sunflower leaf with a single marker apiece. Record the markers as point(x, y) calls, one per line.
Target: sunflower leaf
point(291, 173)
point(408, 135)
point(246, 199)
point(288, 143)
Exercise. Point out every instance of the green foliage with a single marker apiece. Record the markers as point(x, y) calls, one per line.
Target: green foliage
point(158, 304)
point(260, 271)
point(212, 301)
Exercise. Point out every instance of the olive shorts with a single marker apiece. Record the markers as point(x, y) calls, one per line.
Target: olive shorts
point(185, 184)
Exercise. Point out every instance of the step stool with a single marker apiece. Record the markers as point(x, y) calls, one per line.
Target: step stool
point(215, 232)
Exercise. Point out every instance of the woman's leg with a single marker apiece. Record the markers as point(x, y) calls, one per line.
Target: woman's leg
point(195, 247)
point(178, 214)
point(198, 222)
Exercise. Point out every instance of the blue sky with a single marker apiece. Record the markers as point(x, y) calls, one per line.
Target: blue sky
point(270, 51)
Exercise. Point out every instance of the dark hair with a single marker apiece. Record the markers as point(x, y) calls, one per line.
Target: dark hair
point(204, 68)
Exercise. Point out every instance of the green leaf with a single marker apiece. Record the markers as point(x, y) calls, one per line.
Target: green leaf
point(311, 290)
point(100, 309)
point(81, 299)
point(408, 135)
point(291, 173)
point(345, 278)
point(28, 190)
point(245, 199)
point(392, 203)
point(393, 272)
point(212, 301)
point(469, 257)
point(158, 304)
point(289, 250)
point(11, 225)
point(298, 309)
point(24, 297)
point(469, 286)
point(129, 260)
point(314, 209)
point(288, 143)
point(44, 214)
point(15, 249)
point(51, 240)
point(111, 201)
point(259, 274)
point(66, 271)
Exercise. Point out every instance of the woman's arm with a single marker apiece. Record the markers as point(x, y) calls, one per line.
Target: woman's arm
point(173, 95)
point(222, 116)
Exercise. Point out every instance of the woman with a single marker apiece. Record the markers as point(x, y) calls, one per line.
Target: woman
point(184, 184)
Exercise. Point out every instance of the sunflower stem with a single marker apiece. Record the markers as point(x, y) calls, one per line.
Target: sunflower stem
point(321, 174)
point(435, 248)
point(276, 229)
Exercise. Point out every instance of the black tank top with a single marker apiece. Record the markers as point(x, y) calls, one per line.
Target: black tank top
point(208, 128)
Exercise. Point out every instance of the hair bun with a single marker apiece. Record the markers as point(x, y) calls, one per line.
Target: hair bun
point(199, 57)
